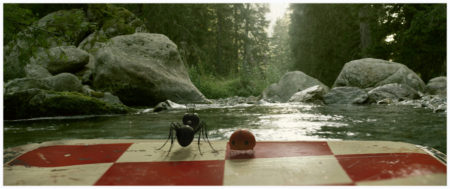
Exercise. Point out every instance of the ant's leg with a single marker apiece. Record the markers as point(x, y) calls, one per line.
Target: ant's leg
point(173, 127)
point(170, 135)
point(198, 142)
point(205, 132)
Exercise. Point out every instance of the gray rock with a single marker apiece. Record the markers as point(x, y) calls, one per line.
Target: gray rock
point(105, 97)
point(167, 105)
point(144, 69)
point(393, 91)
point(369, 72)
point(61, 59)
point(36, 71)
point(60, 82)
point(311, 94)
point(437, 103)
point(64, 82)
point(87, 90)
point(437, 86)
point(110, 98)
point(346, 95)
point(161, 107)
point(22, 84)
point(231, 101)
point(93, 42)
point(87, 73)
point(289, 84)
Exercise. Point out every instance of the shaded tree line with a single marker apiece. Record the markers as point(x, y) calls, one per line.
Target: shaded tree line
point(228, 52)
point(326, 36)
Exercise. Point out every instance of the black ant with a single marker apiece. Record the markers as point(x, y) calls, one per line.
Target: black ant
point(185, 133)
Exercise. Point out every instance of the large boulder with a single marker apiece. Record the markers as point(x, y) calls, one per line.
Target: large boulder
point(35, 102)
point(144, 69)
point(437, 86)
point(311, 94)
point(61, 59)
point(369, 72)
point(289, 84)
point(60, 28)
point(345, 95)
point(393, 91)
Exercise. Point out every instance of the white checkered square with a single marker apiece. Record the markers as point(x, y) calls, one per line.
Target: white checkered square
point(67, 175)
point(306, 170)
point(147, 152)
point(368, 147)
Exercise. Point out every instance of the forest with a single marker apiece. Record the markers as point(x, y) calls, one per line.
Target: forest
point(228, 52)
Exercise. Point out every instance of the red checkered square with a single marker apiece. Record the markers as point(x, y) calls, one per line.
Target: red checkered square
point(283, 149)
point(65, 155)
point(366, 167)
point(165, 173)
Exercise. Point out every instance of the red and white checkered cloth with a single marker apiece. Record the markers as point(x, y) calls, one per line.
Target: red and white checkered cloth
point(97, 162)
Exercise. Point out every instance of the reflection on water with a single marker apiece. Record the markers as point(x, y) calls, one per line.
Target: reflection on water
point(279, 121)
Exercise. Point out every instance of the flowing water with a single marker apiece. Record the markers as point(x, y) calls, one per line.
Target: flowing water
point(279, 121)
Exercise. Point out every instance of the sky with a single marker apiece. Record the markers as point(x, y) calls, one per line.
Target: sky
point(277, 10)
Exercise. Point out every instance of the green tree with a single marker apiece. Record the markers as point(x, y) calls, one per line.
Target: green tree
point(420, 37)
point(15, 20)
point(324, 37)
point(281, 59)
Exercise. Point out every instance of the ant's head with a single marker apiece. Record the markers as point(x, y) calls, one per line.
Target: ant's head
point(190, 108)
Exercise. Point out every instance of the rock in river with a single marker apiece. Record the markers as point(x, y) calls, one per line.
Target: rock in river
point(144, 69)
point(437, 86)
point(393, 91)
point(289, 84)
point(369, 72)
point(346, 95)
point(312, 94)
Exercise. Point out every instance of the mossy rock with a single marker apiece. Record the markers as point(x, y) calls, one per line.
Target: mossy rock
point(111, 21)
point(61, 59)
point(43, 103)
point(60, 28)
point(60, 82)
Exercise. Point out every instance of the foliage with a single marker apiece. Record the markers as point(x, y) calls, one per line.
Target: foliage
point(420, 37)
point(15, 19)
point(214, 87)
point(281, 59)
point(326, 36)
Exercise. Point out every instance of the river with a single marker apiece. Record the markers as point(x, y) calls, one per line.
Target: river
point(271, 121)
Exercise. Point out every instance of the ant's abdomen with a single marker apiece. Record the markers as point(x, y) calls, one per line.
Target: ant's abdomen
point(185, 135)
